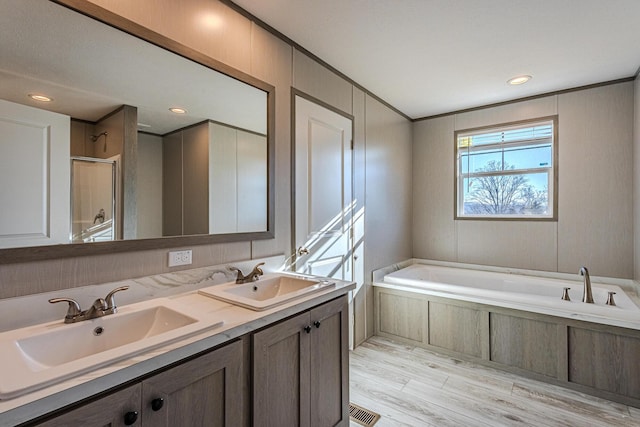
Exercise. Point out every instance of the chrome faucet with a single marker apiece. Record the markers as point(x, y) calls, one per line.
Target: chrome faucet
point(100, 307)
point(251, 277)
point(586, 294)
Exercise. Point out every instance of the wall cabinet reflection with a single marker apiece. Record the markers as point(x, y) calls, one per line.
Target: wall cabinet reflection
point(214, 180)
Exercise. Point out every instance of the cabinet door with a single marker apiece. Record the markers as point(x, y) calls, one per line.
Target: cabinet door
point(281, 374)
point(330, 364)
point(115, 410)
point(206, 391)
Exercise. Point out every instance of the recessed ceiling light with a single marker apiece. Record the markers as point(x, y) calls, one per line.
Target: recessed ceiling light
point(41, 98)
point(518, 80)
point(178, 110)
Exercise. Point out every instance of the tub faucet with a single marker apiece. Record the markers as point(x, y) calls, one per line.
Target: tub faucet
point(251, 277)
point(586, 294)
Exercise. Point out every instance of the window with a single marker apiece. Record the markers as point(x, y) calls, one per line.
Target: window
point(507, 172)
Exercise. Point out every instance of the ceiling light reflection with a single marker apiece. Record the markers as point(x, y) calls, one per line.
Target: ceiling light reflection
point(41, 98)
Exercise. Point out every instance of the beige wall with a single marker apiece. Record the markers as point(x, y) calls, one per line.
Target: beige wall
point(388, 202)
point(636, 180)
point(595, 218)
point(112, 144)
point(382, 138)
point(81, 144)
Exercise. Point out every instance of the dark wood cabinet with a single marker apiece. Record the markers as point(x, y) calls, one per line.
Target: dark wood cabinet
point(109, 411)
point(300, 369)
point(205, 391)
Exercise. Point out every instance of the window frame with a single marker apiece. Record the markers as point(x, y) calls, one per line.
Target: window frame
point(457, 177)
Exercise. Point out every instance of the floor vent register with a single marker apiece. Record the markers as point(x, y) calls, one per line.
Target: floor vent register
point(362, 416)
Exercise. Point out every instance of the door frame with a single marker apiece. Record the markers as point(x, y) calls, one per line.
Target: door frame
point(295, 92)
point(294, 250)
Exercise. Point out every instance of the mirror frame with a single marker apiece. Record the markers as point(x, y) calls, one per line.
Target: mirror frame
point(68, 250)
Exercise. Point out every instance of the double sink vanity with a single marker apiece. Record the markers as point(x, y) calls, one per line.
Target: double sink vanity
point(183, 348)
point(200, 347)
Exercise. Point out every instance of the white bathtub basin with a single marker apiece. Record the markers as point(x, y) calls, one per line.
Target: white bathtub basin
point(40, 355)
point(519, 291)
point(267, 292)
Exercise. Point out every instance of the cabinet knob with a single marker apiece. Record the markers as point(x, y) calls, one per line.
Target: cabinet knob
point(130, 418)
point(307, 329)
point(157, 403)
point(316, 324)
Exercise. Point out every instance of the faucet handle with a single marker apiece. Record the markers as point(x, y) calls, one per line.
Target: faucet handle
point(255, 273)
point(74, 308)
point(610, 300)
point(111, 302)
point(239, 275)
point(258, 270)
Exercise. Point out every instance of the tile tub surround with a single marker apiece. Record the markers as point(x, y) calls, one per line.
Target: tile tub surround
point(181, 286)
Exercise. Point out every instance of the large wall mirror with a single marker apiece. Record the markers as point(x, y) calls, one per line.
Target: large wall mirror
point(141, 145)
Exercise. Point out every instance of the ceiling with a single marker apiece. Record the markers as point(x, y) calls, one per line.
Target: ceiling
point(427, 57)
point(106, 68)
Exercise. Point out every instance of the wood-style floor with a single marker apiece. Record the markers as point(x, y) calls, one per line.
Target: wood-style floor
point(410, 386)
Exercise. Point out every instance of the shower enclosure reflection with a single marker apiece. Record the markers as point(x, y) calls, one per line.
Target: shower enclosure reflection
point(93, 196)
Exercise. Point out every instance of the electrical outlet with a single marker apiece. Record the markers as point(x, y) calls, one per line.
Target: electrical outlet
point(180, 258)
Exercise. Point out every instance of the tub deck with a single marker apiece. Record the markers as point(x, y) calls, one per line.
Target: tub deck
point(535, 294)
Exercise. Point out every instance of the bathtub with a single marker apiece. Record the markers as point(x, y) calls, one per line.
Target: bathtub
point(518, 291)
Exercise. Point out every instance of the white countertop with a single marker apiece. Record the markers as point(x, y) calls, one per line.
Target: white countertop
point(181, 286)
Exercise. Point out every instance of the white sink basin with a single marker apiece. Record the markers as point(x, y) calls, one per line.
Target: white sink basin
point(267, 292)
point(90, 337)
point(40, 355)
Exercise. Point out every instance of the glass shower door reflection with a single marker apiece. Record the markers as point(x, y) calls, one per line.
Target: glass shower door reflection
point(93, 186)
